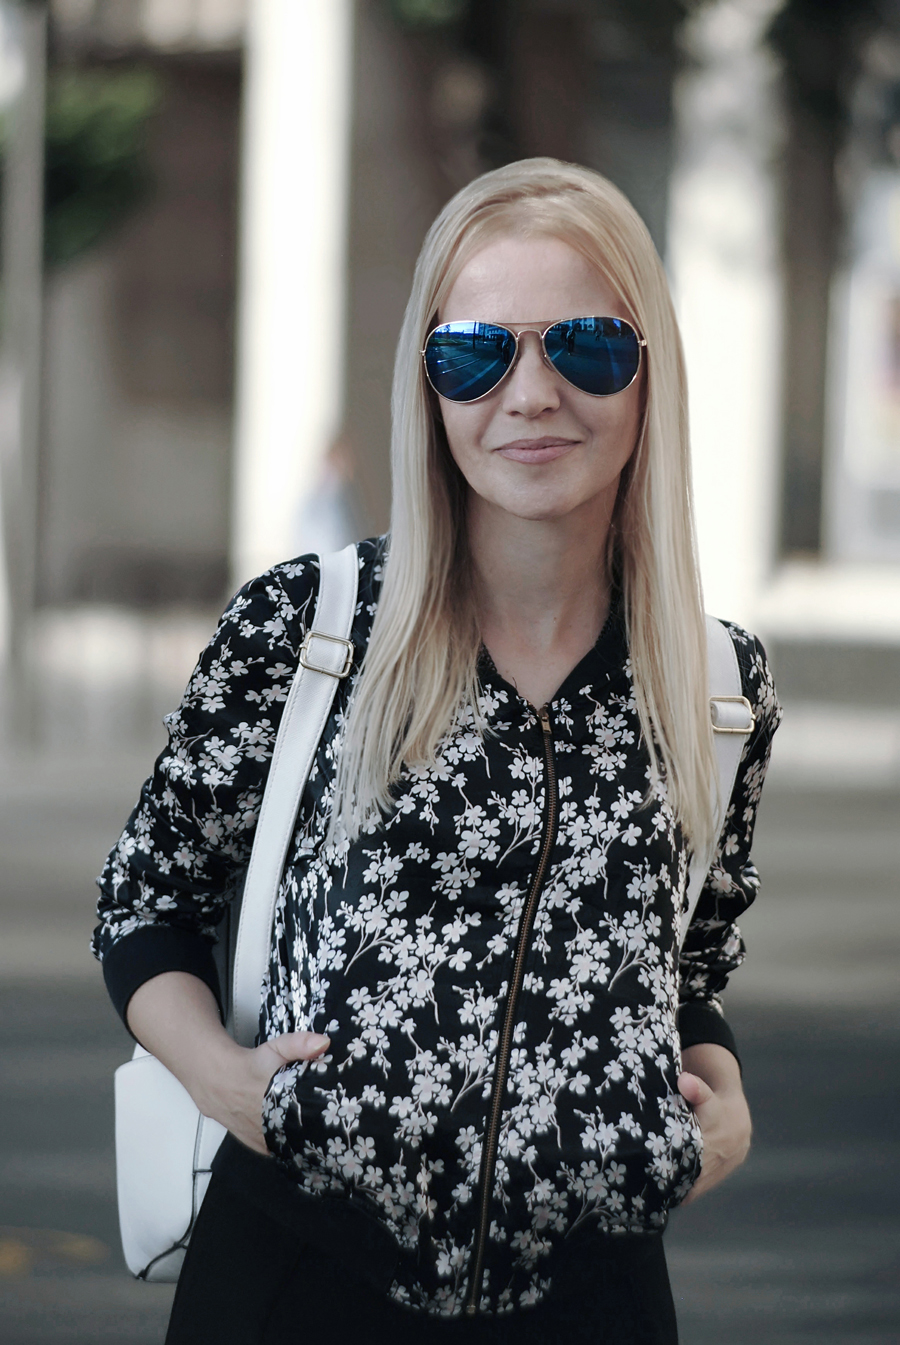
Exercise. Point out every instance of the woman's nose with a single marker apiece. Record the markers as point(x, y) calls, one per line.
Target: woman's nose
point(533, 386)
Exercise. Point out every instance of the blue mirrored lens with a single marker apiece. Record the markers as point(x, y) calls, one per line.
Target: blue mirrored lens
point(466, 359)
point(597, 355)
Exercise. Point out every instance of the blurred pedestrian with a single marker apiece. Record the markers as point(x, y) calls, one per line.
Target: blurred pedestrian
point(485, 1072)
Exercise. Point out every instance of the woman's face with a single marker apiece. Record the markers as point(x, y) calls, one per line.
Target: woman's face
point(537, 447)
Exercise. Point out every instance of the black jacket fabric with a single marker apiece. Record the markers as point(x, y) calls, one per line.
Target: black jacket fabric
point(496, 963)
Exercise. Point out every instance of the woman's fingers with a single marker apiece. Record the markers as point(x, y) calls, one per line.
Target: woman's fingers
point(278, 1052)
point(299, 1045)
point(725, 1125)
point(245, 1075)
point(697, 1094)
point(264, 1062)
point(693, 1089)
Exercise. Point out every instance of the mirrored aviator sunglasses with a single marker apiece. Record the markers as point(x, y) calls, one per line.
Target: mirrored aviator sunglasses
point(464, 361)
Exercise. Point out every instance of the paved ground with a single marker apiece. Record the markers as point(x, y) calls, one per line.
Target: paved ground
point(802, 1246)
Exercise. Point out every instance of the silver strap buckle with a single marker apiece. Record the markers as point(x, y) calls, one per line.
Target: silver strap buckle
point(306, 654)
point(725, 719)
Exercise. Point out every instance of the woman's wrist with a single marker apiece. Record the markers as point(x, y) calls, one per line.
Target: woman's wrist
point(715, 1065)
point(211, 1066)
point(175, 1016)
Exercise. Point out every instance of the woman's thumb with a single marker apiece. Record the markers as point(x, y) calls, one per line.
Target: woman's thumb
point(693, 1089)
point(299, 1045)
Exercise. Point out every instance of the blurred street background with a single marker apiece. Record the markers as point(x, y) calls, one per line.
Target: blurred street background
point(209, 215)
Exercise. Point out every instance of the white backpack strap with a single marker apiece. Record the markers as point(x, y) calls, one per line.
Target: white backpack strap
point(732, 721)
point(326, 656)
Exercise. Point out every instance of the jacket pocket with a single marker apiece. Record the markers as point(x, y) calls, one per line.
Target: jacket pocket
point(692, 1157)
point(278, 1101)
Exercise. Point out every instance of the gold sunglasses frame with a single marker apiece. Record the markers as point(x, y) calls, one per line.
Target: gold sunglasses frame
point(470, 401)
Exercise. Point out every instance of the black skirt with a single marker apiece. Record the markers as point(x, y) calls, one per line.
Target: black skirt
point(257, 1273)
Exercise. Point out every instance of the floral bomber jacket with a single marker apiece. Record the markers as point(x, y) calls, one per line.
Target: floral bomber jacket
point(496, 963)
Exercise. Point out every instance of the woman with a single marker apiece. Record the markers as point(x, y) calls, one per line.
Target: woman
point(483, 1077)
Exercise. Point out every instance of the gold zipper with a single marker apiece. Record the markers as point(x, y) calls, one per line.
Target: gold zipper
point(504, 1044)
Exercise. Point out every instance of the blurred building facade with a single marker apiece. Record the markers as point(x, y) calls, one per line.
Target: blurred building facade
point(293, 156)
point(139, 329)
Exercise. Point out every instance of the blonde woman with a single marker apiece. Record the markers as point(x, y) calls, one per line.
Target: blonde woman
point(484, 1074)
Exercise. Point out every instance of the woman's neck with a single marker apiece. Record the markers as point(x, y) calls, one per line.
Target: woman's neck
point(541, 593)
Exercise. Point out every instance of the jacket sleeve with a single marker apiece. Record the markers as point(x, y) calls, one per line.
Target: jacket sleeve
point(713, 948)
point(166, 883)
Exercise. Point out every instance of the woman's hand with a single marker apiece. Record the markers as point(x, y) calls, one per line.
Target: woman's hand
point(176, 1018)
point(232, 1085)
point(711, 1085)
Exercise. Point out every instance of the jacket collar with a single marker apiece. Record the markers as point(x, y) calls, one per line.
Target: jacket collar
point(604, 661)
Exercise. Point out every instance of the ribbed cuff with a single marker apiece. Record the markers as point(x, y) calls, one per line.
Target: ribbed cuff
point(150, 950)
point(699, 1022)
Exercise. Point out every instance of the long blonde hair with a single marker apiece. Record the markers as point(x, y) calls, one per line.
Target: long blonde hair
point(421, 663)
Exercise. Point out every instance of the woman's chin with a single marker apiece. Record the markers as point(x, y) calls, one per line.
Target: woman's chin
point(536, 506)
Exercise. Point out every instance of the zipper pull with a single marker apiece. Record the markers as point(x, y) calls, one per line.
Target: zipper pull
point(544, 716)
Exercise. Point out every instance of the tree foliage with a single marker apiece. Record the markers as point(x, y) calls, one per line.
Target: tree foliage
point(95, 167)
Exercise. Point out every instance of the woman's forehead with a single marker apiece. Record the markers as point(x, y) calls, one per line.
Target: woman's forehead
point(524, 281)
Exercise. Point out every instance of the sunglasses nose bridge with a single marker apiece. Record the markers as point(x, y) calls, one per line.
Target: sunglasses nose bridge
point(528, 331)
point(539, 388)
point(542, 347)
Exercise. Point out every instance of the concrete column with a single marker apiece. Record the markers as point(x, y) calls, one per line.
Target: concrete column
point(24, 28)
point(723, 260)
point(292, 269)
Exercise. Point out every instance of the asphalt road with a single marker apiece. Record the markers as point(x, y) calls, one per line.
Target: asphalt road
point(801, 1247)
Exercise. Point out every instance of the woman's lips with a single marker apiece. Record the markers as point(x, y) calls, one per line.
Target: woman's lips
point(536, 450)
